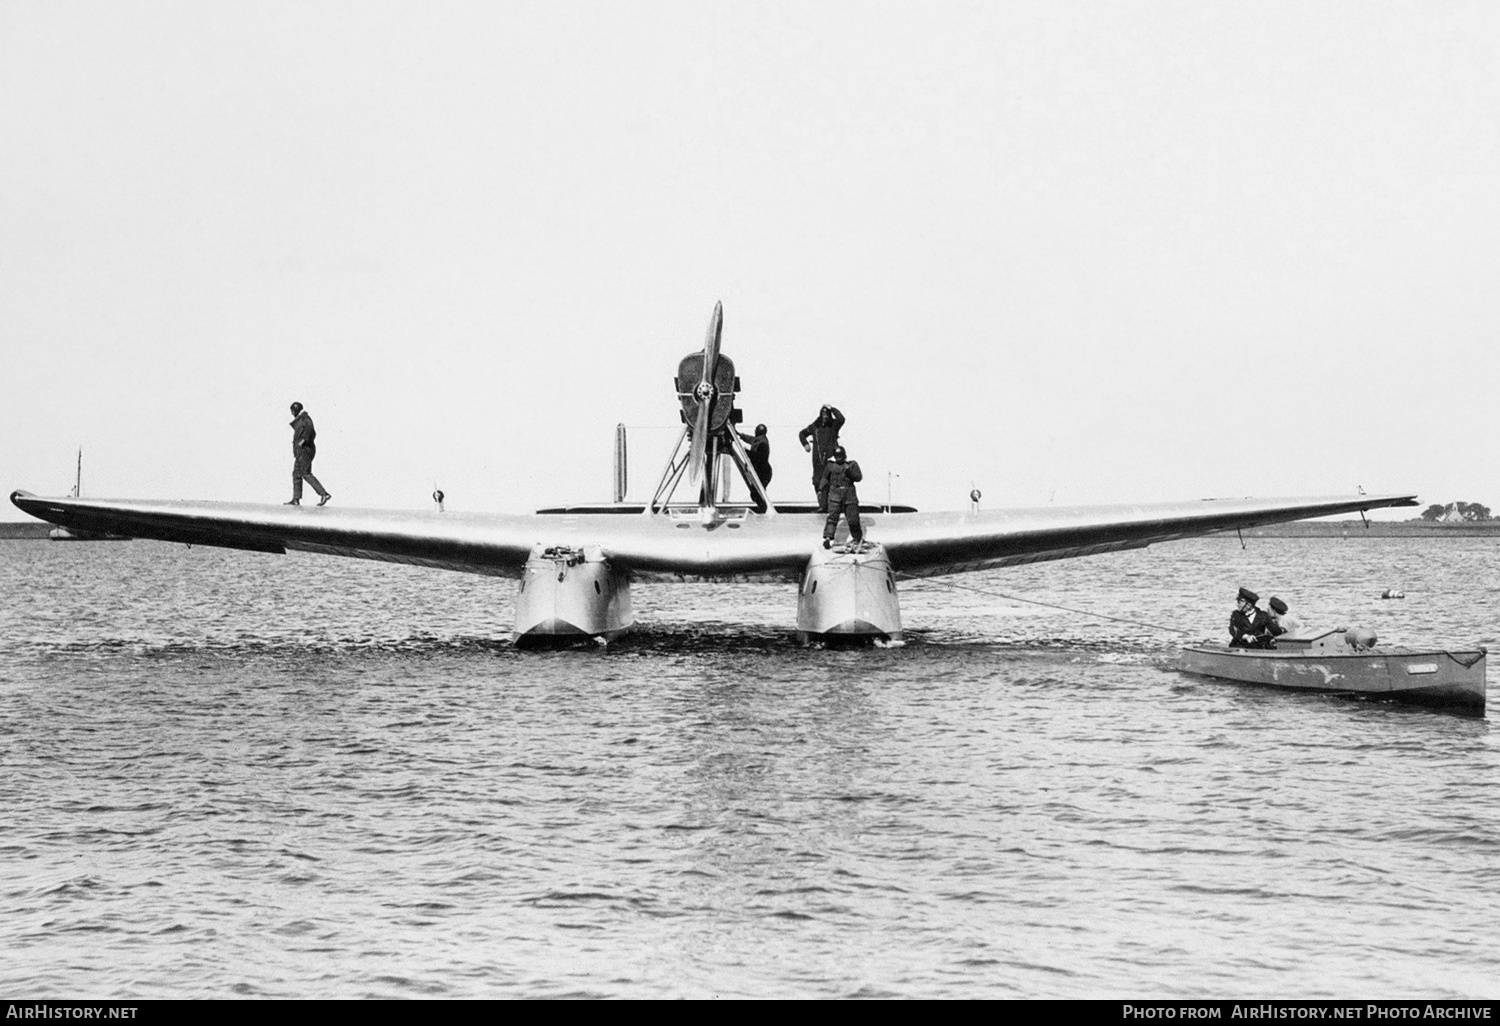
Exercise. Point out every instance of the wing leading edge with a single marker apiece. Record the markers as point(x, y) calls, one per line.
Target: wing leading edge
point(663, 548)
point(949, 543)
point(447, 541)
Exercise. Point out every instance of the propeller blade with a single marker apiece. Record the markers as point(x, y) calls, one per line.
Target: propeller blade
point(711, 343)
point(706, 392)
point(700, 445)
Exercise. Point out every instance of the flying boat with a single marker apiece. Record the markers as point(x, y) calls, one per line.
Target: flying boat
point(575, 565)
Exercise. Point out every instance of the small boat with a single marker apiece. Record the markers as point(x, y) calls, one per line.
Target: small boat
point(73, 534)
point(1349, 662)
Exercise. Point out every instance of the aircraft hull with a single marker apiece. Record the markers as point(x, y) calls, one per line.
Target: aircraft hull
point(849, 594)
point(569, 595)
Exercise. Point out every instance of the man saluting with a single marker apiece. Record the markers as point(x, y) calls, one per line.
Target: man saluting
point(820, 438)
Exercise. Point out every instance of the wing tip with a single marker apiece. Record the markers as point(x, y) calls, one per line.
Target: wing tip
point(1391, 500)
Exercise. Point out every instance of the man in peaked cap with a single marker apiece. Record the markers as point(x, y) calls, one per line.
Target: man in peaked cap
point(1281, 620)
point(1249, 626)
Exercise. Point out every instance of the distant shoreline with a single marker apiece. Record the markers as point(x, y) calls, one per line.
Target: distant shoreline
point(1376, 529)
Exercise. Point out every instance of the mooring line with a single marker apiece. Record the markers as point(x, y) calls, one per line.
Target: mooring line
point(1049, 605)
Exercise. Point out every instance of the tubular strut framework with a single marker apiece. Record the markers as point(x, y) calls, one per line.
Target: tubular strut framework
point(677, 465)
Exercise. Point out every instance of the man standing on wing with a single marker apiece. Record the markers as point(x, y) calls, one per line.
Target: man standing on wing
point(820, 438)
point(837, 482)
point(304, 448)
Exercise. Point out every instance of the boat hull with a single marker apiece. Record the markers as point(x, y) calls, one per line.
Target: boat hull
point(1427, 677)
point(64, 534)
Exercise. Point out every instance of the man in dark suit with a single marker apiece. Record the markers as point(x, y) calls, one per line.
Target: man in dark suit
point(820, 438)
point(837, 482)
point(760, 459)
point(1249, 626)
point(304, 448)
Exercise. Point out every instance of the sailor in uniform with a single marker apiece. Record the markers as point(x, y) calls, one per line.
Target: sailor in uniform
point(1281, 620)
point(1249, 626)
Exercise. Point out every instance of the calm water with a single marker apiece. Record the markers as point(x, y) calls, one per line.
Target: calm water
point(233, 774)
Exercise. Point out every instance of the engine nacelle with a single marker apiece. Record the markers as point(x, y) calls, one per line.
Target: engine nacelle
point(849, 593)
point(571, 594)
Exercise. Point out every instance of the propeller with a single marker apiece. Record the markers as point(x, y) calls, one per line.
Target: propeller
point(705, 392)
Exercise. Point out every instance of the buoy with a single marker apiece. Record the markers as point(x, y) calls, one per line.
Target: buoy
point(437, 497)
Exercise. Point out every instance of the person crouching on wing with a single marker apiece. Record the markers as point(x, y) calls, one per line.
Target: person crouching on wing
point(1249, 626)
point(760, 459)
point(837, 481)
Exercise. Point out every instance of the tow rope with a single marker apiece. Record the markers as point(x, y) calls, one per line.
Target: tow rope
point(1049, 605)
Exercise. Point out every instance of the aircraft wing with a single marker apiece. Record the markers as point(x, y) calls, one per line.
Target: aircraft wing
point(667, 547)
point(929, 545)
point(496, 545)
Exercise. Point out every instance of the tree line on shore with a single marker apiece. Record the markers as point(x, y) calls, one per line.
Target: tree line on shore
point(1465, 511)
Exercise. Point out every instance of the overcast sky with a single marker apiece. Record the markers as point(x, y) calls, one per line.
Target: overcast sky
point(1070, 253)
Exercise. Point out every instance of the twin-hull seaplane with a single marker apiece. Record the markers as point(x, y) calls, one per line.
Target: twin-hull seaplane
point(577, 564)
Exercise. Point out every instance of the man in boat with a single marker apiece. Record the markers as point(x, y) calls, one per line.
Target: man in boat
point(304, 448)
point(820, 438)
point(760, 459)
point(1249, 625)
point(837, 483)
point(1281, 620)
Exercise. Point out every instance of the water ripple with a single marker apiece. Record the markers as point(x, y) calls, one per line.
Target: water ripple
point(228, 774)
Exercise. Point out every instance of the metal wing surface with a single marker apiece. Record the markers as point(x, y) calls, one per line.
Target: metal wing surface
point(742, 547)
point(929, 545)
point(496, 545)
